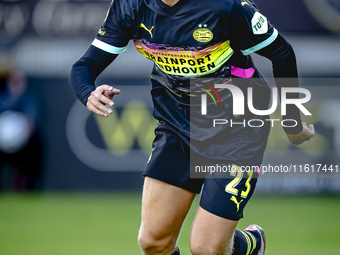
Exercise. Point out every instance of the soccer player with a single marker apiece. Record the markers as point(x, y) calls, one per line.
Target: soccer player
point(195, 41)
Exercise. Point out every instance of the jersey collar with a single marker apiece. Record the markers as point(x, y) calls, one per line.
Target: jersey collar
point(171, 10)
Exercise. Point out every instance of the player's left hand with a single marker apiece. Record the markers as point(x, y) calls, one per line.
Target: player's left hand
point(305, 135)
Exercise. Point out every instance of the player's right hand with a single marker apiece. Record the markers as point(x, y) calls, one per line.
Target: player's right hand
point(99, 98)
point(305, 135)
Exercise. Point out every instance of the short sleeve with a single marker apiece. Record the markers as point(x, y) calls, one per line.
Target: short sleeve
point(116, 31)
point(250, 29)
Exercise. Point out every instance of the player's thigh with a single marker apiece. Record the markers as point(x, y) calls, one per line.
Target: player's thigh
point(164, 208)
point(222, 203)
point(211, 234)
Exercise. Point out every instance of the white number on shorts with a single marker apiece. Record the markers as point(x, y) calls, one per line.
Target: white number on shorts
point(231, 186)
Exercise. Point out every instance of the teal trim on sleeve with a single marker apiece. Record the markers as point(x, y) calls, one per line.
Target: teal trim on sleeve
point(108, 48)
point(262, 44)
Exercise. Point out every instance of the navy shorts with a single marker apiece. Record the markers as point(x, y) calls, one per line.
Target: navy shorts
point(224, 194)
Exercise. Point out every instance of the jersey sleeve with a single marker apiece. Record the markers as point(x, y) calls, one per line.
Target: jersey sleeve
point(250, 29)
point(116, 31)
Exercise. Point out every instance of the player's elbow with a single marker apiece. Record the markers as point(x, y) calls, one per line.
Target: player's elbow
point(76, 67)
point(288, 48)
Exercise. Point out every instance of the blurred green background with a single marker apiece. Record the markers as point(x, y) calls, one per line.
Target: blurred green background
point(87, 224)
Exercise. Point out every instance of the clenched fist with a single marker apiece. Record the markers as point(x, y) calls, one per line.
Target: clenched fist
point(305, 135)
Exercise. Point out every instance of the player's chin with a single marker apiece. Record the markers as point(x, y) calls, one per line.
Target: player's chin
point(297, 142)
point(302, 141)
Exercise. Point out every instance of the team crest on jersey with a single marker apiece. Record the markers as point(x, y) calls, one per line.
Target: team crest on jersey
point(244, 3)
point(203, 34)
point(259, 24)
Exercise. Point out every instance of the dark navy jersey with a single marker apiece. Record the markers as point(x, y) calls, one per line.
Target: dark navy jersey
point(191, 40)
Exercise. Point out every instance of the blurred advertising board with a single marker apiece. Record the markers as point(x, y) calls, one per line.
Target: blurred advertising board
point(82, 18)
point(55, 18)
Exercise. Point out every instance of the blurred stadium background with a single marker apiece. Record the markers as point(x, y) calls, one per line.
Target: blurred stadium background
point(70, 183)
